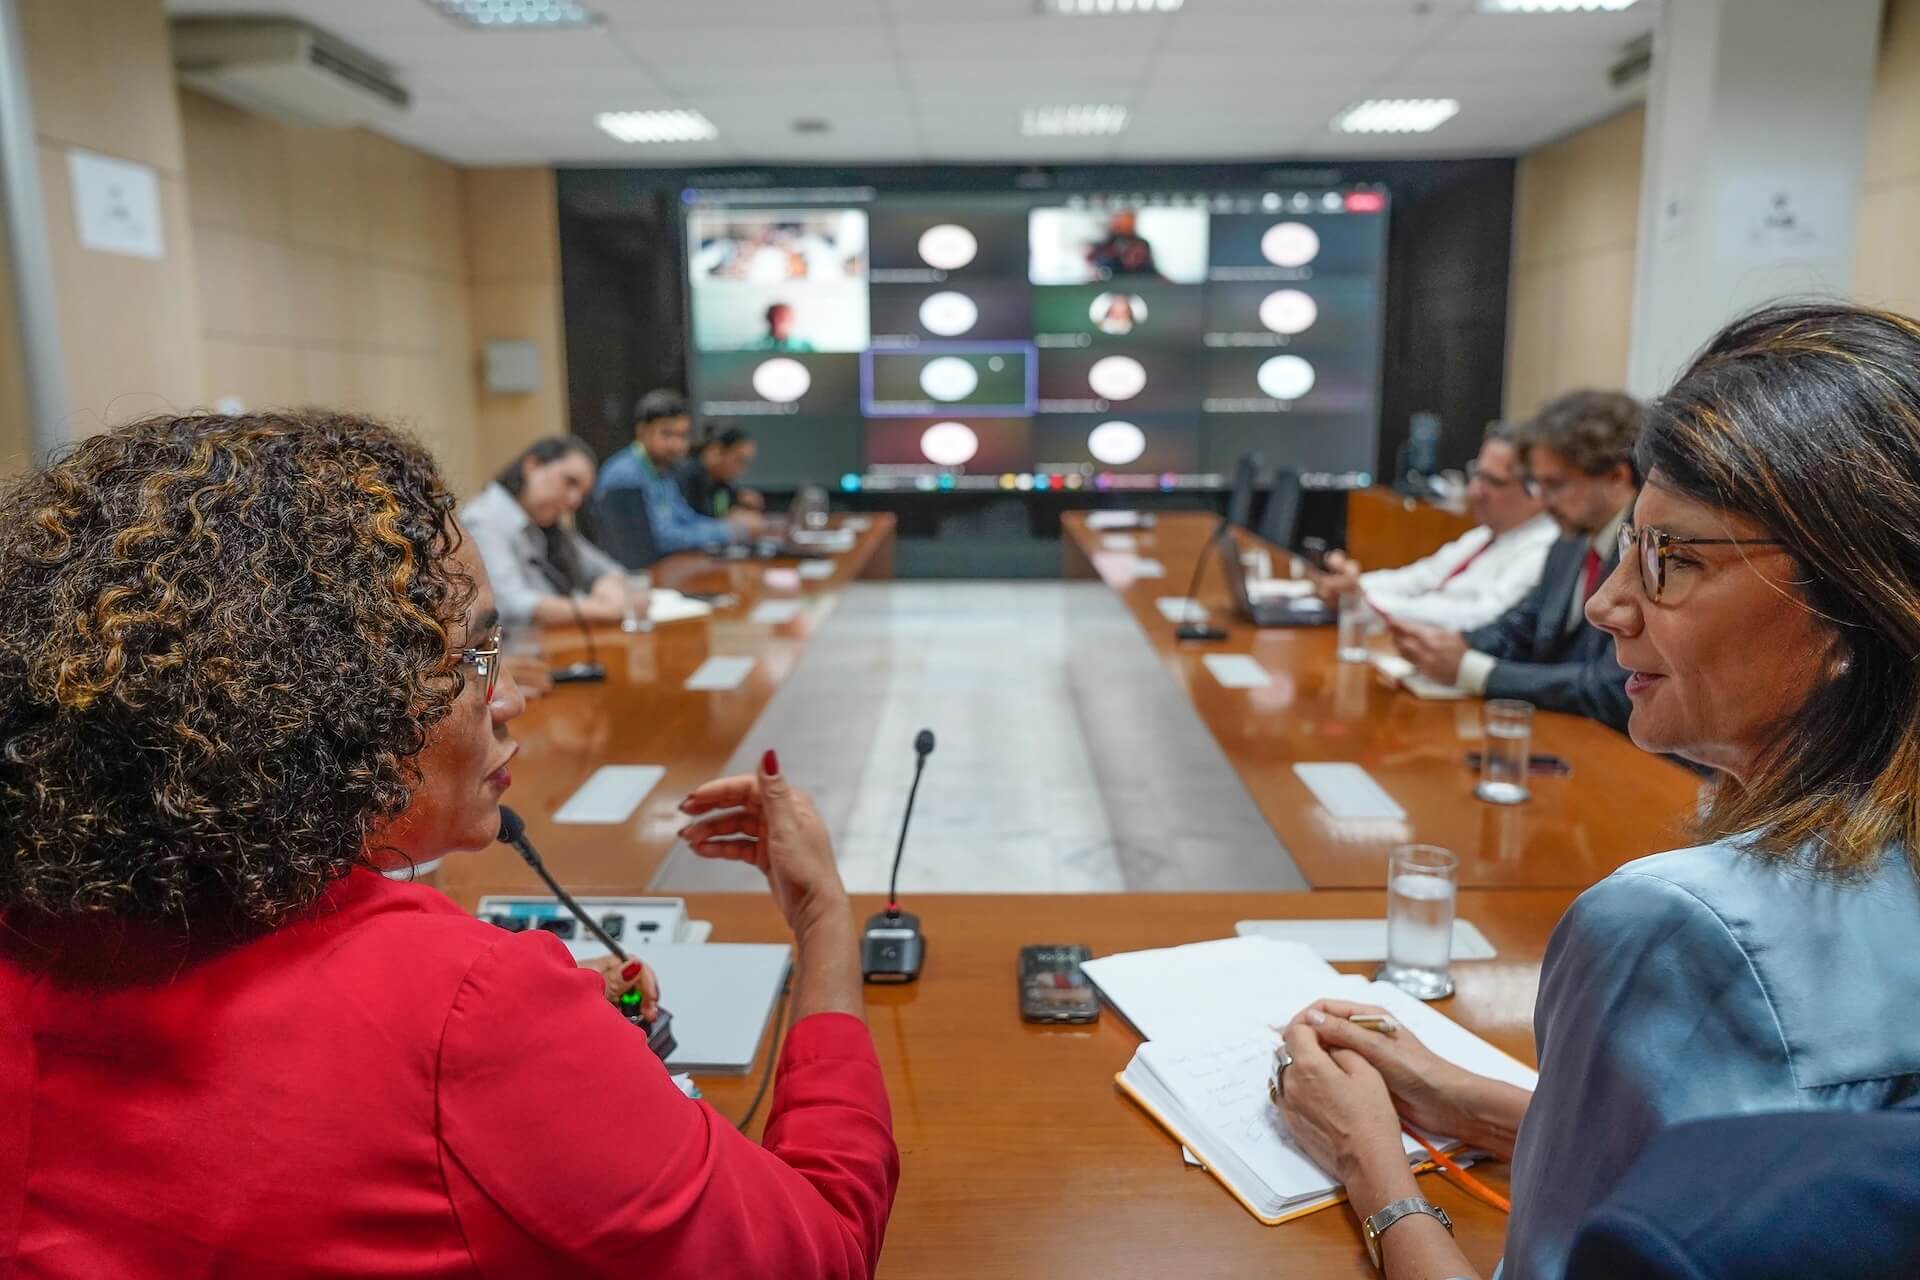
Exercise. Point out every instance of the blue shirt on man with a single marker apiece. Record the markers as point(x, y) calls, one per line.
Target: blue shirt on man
point(676, 525)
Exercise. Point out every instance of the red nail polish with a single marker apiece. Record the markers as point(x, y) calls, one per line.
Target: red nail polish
point(632, 971)
point(770, 764)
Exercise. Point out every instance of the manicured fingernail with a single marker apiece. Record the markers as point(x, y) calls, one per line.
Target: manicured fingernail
point(684, 803)
point(632, 970)
point(770, 764)
point(1316, 1017)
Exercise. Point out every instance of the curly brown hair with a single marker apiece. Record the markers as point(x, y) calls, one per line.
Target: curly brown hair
point(1595, 431)
point(225, 640)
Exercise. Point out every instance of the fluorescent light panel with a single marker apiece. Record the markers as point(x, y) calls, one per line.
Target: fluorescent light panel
point(1397, 115)
point(1554, 6)
point(516, 15)
point(1074, 121)
point(1106, 8)
point(657, 126)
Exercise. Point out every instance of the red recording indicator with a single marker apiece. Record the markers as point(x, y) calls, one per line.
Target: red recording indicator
point(1365, 202)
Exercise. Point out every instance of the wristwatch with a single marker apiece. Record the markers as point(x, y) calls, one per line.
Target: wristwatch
point(1373, 1228)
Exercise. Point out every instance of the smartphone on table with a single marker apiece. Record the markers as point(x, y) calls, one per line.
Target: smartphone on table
point(1052, 986)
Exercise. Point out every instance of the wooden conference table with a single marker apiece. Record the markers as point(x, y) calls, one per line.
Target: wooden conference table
point(1020, 1158)
point(1618, 804)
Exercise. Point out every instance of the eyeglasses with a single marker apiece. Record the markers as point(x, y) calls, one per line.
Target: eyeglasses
point(486, 662)
point(1487, 478)
point(1657, 545)
point(1537, 488)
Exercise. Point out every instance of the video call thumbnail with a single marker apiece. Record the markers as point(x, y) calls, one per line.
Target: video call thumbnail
point(1303, 441)
point(960, 245)
point(779, 281)
point(1085, 246)
point(976, 310)
point(981, 446)
point(1135, 443)
point(1269, 382)
point(981, 379)
point(1316, 315)
point(758, 384)
point(1137, 380)
point(1309, 244)
point(1118, 313)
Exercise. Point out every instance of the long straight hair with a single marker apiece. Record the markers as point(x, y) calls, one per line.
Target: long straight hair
point(569, 574)
point(1806, 419)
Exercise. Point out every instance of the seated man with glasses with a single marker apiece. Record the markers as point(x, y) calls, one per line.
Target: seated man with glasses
point(1479, 575)
point(1579, 455)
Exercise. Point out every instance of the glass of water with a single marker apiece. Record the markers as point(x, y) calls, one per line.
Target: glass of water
point(639, 593)
point(1503, 765)
point(1356, 623)
point(1422, 880)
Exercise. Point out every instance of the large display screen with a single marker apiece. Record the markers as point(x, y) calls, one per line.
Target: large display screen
point(887, 341)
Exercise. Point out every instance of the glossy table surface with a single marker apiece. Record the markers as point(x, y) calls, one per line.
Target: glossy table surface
point(644, 714)
point(1618, 804)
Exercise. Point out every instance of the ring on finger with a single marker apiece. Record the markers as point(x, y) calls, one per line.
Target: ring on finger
point(1277, 1086)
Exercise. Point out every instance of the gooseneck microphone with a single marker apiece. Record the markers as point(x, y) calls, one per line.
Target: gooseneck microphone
point(1191, 628)
point(893, 947)
point(514, 832)
point(592, 670)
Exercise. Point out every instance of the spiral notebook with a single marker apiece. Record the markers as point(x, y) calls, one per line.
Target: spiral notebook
point(1203, 1074)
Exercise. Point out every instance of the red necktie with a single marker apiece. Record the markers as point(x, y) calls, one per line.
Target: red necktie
point(1591, 582)
point(1462, 566)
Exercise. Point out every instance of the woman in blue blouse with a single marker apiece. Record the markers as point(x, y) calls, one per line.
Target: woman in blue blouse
point(1767, 608)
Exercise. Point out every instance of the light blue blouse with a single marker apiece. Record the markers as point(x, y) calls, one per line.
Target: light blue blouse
point(1707, 982)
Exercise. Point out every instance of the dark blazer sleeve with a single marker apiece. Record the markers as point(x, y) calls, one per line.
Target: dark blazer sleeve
point(1595, 687)
point(1510, 637)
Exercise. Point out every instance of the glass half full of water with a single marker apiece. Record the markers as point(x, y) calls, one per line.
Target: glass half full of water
point(1422, 880)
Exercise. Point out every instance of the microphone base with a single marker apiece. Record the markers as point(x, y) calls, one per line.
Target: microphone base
point(1198, 631)
point(580, 673)
point(892, 948)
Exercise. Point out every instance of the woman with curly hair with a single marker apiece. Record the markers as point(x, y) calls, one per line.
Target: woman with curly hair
point(244, 661)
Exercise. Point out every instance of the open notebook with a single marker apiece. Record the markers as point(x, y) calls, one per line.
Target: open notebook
point(1203, 1073)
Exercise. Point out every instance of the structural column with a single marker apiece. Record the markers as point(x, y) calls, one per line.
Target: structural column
point(1756, 136)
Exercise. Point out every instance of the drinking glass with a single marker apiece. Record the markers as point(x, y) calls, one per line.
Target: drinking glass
point(1422, 883)
point(1503, 765)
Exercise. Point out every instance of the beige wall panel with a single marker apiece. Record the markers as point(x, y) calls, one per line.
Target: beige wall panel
point(244, 286)
point(1893, 136)
point(512, 224)
point(1594, 322)
point(327, 203)
point(1886, 264)
point(1532, 340)
point(1602, 210)
point(329, 297)
point(234, 168)
point(101, 72)
point(259, 375)
point(334, 378)
point(414, 206)
point(129, 326)
point(14, 431)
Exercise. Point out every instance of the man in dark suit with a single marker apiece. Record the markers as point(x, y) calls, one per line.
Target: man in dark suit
point(1764, 1197)
point(1579, 453)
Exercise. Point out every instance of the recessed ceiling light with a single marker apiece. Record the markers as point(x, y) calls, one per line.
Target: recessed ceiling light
point(1397, 115)
point(1555, 6)
point(1057, 122)
point(1105, 8)
point(516, 15)
point(657, 126)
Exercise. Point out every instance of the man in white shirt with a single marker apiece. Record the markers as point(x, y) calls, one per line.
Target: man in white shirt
point(1580, 460)
point(1479, 575)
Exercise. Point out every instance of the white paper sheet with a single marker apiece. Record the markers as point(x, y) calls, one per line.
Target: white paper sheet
point(1237, 671)
point(611, 794)
point(720, 673)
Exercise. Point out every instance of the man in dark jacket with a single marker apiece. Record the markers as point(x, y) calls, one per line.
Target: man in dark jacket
point(1579, 453)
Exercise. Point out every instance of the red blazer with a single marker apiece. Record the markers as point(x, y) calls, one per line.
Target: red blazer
point(388, 1087)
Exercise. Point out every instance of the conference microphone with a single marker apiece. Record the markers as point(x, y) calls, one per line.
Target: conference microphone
point(592, 670)
point(660, 1031)
point(1201, 629)
point(893, 947)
